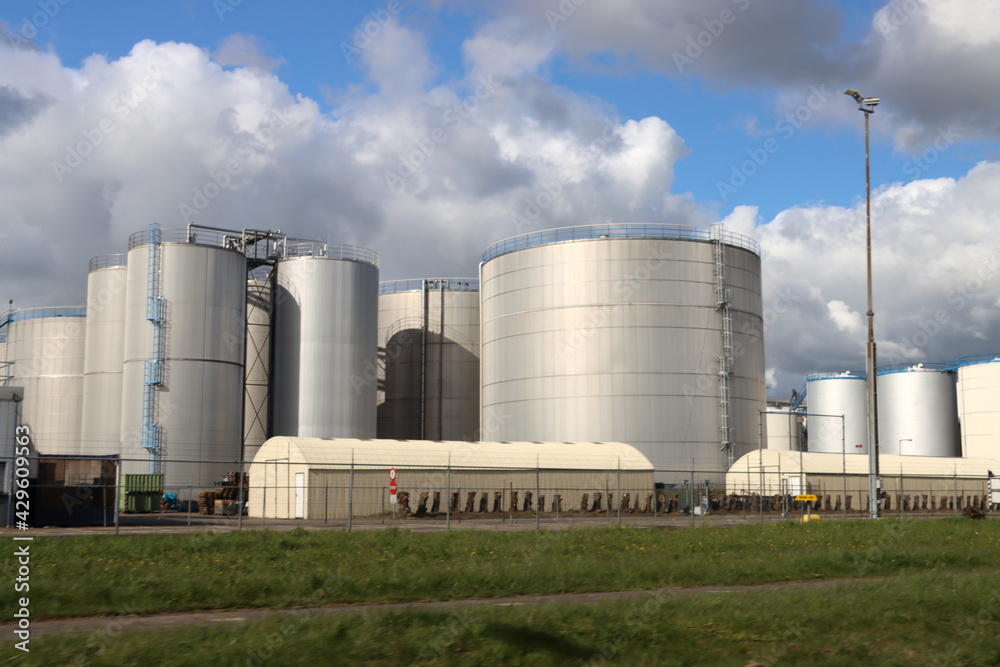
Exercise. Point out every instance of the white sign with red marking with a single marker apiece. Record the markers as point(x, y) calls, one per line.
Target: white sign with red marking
point(392, 482)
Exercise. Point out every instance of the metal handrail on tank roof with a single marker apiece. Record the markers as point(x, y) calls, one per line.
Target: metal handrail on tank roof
point(207, 237)
point(832, 375)
point(294, 248)
point(23, 314)
point(917, 367)
point(617, 231)
point(108, 261)
point(978, 359)
point(452, 284)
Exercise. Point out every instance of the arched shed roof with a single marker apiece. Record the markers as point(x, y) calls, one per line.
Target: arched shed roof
point(486, 455)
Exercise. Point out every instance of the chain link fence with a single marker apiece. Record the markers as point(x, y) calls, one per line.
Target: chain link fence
point(111, 492)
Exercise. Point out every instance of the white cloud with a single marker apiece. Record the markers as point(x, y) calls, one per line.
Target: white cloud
point(936, 277)
point(427, 174)
point(241, 50)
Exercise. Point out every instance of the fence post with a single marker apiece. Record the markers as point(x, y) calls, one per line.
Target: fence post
point(350, 497)
point(382, 513)
point(902, 493)
point(955, 480)
point(447, 500)
point(691, 497)
point(619, 491)
point(243, 500)
point(538, 508)
point(118, 491)
point(326, 502)
point(607, 497)
point(190, 491)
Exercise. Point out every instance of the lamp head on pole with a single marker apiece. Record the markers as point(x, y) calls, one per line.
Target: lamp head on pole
point(866, 104)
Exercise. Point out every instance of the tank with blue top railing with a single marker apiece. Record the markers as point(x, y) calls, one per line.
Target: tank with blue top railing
point(617, 231)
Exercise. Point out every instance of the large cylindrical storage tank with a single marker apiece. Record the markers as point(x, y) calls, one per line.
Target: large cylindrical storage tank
point(428, 347)
point(257, 401)
point(199, 403)
point(918, 411)
point(616, 333)
point(979, 406)
point(784, 430)
point(325, 332)
point(104, 356)
point(46, 346)
point(832, 395)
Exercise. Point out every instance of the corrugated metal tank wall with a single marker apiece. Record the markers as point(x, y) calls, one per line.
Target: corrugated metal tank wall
point(428, 388)
point(612, 333)
point(258, 367)
point(918, 404)
point(830, 396)
point(979, 406)
point(104, 356)
point(326, 327)
point(46, 346)
point(200, 403)
point(784, 432)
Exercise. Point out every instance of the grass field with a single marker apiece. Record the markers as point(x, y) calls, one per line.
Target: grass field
point(927, 619)
point(82, 576)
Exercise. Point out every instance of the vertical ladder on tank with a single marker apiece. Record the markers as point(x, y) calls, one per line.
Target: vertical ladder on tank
point(726, 359)
point(153, 372)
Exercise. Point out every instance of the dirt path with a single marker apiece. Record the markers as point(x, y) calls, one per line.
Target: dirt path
point(113, 625)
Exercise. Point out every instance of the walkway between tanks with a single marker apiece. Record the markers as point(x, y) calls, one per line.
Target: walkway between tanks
point(112, 626)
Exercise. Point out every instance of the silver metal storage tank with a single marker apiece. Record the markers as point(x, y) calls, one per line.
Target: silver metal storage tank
point(979, 406)
point(783, 430)
point(830, 396)
point(918, 411)
point(198, 405)
point(644, 334)
point(46, 346)
point(428, 347)
point(104, 356)
point(325, 332)
point(258, 367)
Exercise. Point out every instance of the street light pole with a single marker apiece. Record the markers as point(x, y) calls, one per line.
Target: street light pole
point(867, 106)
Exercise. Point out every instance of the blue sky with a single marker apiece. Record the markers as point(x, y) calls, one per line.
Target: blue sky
point(722, 110)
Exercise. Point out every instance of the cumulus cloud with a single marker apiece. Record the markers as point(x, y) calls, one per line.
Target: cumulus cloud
point(429, 172)
point(936, 278)
point(931, 61)
point(243, 50)
point(426, 173)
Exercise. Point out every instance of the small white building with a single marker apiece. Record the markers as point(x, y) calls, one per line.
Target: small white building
point(317, 478)
point(925, 482)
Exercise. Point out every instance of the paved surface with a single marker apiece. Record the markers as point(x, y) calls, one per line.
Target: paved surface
point(113, 625)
